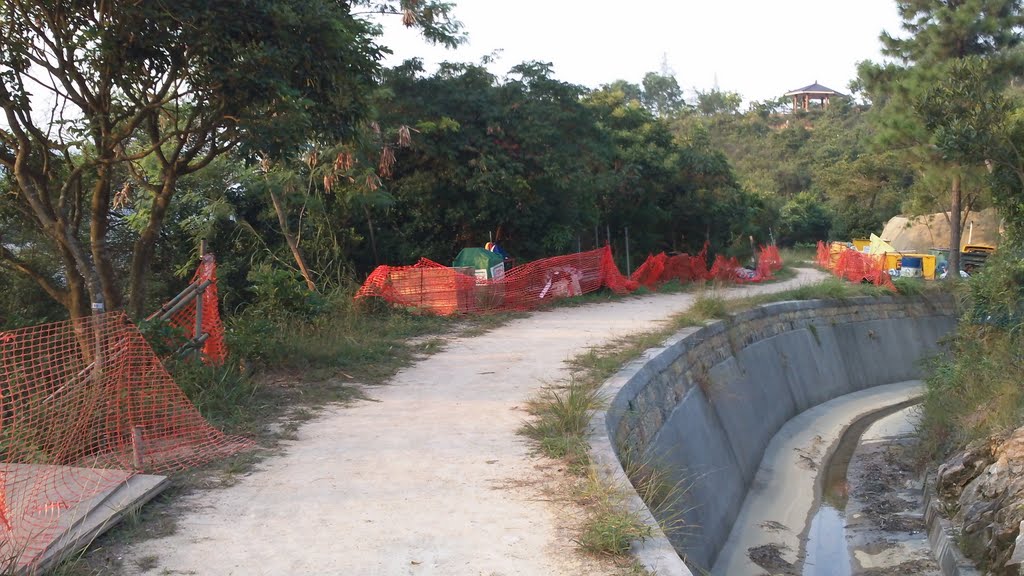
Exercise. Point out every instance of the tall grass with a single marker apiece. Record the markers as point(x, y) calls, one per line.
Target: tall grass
point(363, 339)
point(561, 417)
point(611, 525)
point(976, 389)
point(975, 392)
point(799, 255)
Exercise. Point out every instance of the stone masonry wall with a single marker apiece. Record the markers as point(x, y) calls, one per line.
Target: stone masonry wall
point(707, 404)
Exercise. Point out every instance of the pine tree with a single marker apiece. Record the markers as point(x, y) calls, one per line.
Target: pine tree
point(938, 35)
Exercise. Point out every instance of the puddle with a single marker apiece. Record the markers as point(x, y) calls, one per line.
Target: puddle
point(826, 544)
point(826, 552)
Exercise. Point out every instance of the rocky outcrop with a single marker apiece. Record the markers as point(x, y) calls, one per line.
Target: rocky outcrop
point(985, 485)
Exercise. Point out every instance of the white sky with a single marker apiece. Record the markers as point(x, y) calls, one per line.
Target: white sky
point(759, 48)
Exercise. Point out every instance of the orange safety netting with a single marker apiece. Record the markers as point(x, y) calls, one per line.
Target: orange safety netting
point(442, 290)
point(660, 268)
point(84, 405)
point(855, 266)
point(214, 350)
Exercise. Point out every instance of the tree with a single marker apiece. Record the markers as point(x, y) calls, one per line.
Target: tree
point(662, 94)
point(940, 33)
point(140, 94)
point(804, 219)
point(975, 120)
point(513, 160)
point(716, 101)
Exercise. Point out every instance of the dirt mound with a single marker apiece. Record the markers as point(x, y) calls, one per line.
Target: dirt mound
point(920, 233)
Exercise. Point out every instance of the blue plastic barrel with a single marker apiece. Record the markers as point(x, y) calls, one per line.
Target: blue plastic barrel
point(910, 266)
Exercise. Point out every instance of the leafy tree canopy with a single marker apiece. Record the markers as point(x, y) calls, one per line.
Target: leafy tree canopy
point(113, 102)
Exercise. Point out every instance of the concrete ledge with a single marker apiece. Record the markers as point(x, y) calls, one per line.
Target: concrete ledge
point(705, 405)
point(941, 536)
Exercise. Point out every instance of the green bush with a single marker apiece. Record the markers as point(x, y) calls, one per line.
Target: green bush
point(281, 291)
point(225, 395)
point(365, 340)
point(975, 391)
point(164, 338)
point(995, 296)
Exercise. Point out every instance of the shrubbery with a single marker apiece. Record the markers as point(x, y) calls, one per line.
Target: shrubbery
point(978, 388)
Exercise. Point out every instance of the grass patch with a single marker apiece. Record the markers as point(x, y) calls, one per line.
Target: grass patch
point(975, 391)
point(799, 256)
point(561, 417)
point(709, 306)
point(611, 526)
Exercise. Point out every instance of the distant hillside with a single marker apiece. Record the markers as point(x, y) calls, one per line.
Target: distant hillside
point(816, 168)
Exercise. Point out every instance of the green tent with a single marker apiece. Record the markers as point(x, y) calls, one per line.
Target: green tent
point(486, 264)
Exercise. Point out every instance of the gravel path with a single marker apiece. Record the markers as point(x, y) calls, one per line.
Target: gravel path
point(430, 478)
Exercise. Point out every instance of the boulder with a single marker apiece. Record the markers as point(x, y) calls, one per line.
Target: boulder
point(987, 480)
point(959, 470)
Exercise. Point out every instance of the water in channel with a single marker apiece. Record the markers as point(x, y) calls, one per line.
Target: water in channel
point(826, 551)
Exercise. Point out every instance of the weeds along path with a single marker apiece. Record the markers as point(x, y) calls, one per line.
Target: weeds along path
point(431, 478)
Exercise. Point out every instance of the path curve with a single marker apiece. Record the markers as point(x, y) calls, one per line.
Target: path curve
point(431, 478)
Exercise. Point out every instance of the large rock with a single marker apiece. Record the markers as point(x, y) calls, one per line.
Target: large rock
point(989, 477)
point(965, 466)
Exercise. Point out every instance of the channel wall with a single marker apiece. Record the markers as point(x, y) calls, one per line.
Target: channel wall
point(703, 407)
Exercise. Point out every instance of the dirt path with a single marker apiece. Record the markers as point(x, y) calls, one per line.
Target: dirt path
point(428, 479)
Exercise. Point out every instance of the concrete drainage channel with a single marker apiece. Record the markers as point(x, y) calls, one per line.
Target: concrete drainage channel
point(705, 407)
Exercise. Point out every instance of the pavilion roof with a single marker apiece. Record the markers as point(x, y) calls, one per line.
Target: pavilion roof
point(813, 89)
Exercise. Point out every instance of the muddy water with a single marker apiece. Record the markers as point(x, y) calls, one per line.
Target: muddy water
point(826, 552)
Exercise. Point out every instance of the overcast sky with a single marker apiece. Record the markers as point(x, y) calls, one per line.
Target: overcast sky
point(759, 48)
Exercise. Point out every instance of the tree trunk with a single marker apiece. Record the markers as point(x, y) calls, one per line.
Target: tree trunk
point(292, 243)
point(98, 228)
point(954, 229)
point(373, 239)
point(143, 249)
point(77, 302)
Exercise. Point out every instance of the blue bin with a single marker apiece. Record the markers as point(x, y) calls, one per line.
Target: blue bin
point(910, 267)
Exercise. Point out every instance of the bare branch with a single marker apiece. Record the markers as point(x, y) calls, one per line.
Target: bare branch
point(10, 261)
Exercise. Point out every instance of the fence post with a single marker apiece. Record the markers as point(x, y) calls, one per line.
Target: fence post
point(138, 453)
point(199, 302)
point(98, 309)
point(629, 270)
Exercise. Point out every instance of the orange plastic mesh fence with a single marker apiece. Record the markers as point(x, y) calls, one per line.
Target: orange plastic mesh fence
point(84, 405)
point(824, 261)
point(660, 268)
point(650, 273)
point(855, 266)
point(442, 290)
point(214, 350)
point(686, 268)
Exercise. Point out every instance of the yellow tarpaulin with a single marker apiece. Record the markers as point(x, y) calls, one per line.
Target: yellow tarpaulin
point(879, 246)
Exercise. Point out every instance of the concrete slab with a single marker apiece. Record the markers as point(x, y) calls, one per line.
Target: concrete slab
point(54, 511)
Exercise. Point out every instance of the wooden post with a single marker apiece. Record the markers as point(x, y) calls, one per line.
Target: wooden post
point(199, 303)
point(629, 269)
point(138, 453)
